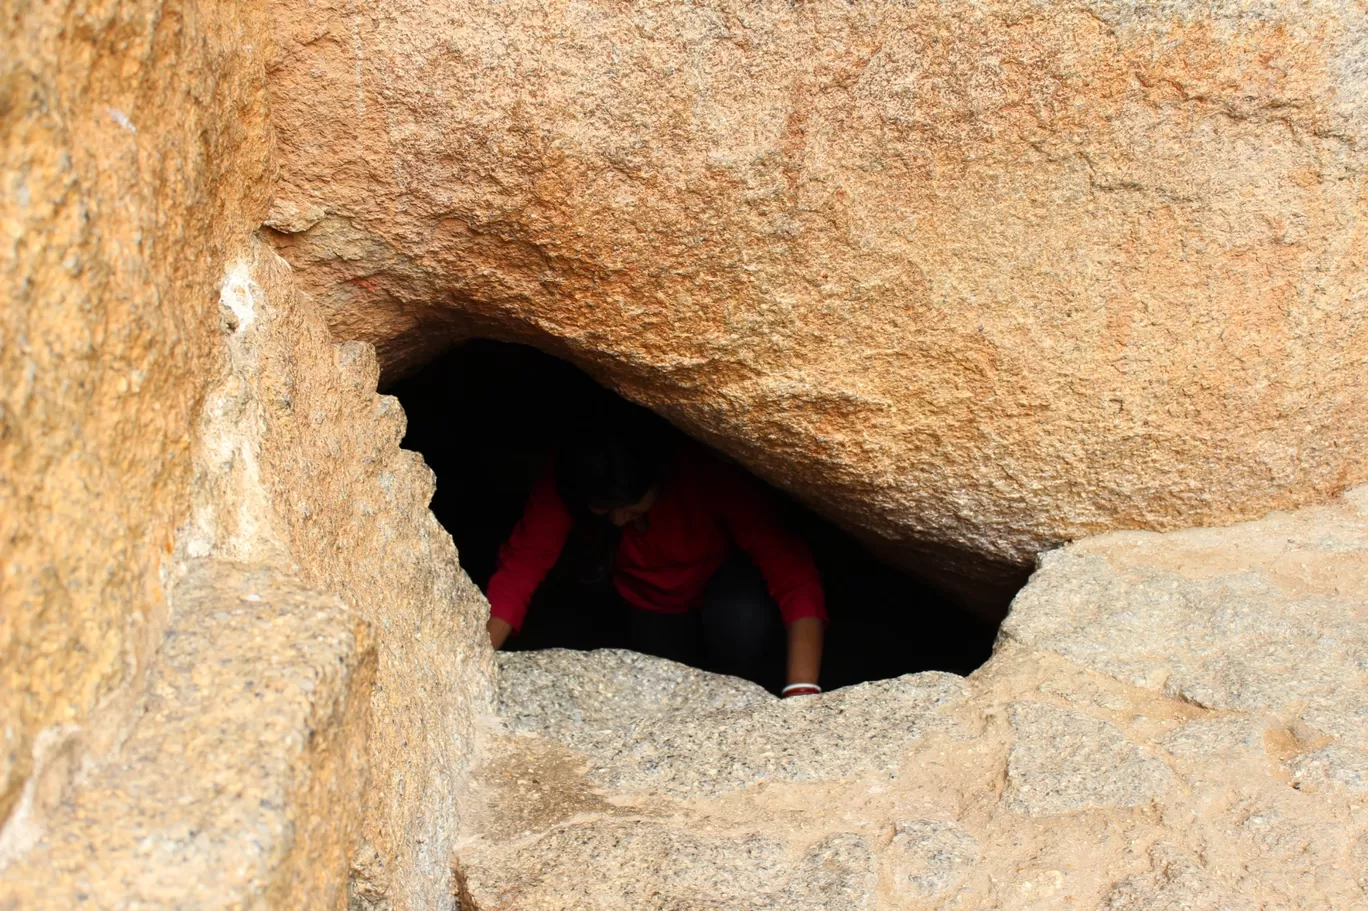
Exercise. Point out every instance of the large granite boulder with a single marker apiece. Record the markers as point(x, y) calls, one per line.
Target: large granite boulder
point(973, 278)
point(1170, 721)
point(239, 661)
point(300, 737)
point(134, 158)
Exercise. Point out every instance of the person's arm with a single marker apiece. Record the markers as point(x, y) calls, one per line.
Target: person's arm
point(526, 557)
point(804, 653)
point(785, 562)
point(499, 630)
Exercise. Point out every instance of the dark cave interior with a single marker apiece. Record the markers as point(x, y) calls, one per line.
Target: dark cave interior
point(486, 415)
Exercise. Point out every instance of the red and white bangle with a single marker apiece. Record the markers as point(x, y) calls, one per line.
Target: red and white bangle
point(800, 689)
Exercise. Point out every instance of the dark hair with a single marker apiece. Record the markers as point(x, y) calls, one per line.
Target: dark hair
point(611, 460)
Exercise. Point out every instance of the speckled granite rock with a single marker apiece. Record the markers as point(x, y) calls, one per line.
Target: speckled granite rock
point(235, 788)
point(1264, 617)
point(171, 403)
point(928, 858)
point(298, 477)
point(301, 465)
point(968, 276)
point(134, 161)
point(974, 277)
point(687, 733)
point(1064, 761)
point(1177, 883)
point(1143, 738)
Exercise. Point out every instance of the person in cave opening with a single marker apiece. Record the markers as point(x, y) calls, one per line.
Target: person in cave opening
point(707, 573)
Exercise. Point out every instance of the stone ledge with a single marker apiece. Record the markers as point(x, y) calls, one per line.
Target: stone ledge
point(238, 786)
point(1168, 721)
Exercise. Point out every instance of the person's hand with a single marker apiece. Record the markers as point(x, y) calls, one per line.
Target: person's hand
point(800, 689)
point(499, 631)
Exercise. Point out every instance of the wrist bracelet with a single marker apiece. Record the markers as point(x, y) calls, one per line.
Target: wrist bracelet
point(800, 686)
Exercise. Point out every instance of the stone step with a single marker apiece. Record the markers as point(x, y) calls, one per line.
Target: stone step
point(237, 786)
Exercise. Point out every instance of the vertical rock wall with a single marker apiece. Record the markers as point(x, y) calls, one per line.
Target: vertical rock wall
point(134, 162)
point(351, 509)
point(239, 654)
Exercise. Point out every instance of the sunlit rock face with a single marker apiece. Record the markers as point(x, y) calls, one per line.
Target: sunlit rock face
point(134, 162)
point(972, 278)
point(1165, 724)
point(239, 661)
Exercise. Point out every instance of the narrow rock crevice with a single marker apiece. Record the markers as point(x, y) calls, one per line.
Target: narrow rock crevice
point(485, 417)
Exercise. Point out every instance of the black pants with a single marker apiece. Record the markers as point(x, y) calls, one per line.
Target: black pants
point(736, 630)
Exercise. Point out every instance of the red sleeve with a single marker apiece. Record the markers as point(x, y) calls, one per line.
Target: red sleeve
point(782, 557)
point(530, 552)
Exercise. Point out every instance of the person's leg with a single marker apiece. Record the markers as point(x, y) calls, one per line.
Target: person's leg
point(743, 631)
point(672, 636)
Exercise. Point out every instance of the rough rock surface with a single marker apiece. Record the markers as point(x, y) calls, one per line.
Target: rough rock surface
point(973, 276)
point(133, 163)
point(236, 788)
point(1170, 721)
point(977, 276)
point(176, 421)
point(301, 467)
point(265, 772)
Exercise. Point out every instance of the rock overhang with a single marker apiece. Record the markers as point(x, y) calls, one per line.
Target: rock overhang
point(973, 280)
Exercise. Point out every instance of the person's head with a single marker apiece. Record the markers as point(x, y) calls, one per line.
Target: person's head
point(611, 468)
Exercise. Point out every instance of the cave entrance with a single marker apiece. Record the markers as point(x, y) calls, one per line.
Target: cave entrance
point(485, 417)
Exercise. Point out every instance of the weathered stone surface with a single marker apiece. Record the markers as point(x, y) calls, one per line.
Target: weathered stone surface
point(1236, 737)
point(1331, 767)
point(974, 277)
point(133, 164)
point(301, 465)
point(658, 868)
point(1064, 761)
point(236, 787)
point(565, 694)
point(170, 403)
point(297, 474)
point(1264, 617)
point(1178, 883)
point(659, 738)
point(1076, 769)
point(930, 858)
